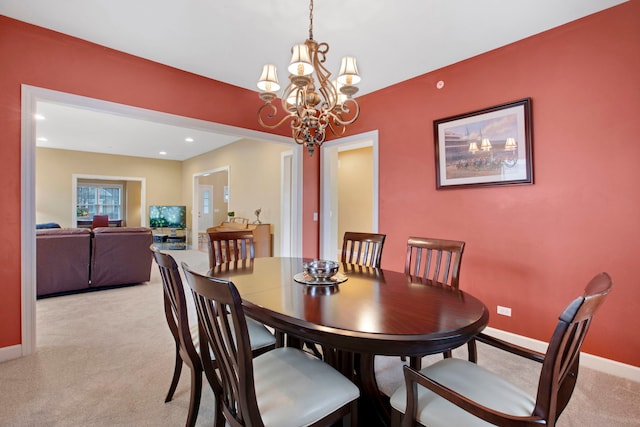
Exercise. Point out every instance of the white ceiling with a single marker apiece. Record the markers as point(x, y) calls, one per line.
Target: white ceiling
point(230, 41)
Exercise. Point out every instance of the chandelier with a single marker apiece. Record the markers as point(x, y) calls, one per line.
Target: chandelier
point(312, 102)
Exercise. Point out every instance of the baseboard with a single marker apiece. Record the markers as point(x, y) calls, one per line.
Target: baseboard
point(11, 352)
point(587, 360)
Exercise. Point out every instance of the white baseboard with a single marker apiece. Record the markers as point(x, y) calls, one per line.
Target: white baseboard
point(12, 352)
point(587, 360)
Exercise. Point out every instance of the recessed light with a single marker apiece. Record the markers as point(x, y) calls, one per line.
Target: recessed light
point(189, 139)
point(163, 153)
point(43, 139)
point(39, 117)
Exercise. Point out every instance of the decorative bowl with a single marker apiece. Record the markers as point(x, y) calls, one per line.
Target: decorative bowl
point(320, 269)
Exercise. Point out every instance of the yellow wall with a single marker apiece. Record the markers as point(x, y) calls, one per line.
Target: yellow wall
point(55, 168)
point(355, 191)
point(254, 179)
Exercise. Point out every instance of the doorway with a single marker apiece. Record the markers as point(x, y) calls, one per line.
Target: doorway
point(211, 202)
point(331, 225)
point(31, 95)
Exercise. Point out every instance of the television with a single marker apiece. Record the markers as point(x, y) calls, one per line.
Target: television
point(168, 217)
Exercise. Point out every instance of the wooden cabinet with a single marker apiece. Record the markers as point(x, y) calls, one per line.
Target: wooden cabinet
point(262, 240)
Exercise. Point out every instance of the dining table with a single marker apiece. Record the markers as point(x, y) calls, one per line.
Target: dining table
point(364, 312)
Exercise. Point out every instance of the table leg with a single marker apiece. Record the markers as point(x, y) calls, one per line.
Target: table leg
point(372, 399)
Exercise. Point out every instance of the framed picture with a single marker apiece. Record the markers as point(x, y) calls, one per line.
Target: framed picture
point(484, 148)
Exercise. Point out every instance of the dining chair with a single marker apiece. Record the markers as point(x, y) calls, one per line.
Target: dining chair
point(362, 248)
point(437, 260)
point(100, 221)
point(434, 259)
point(185, 333)
point(230, 246)
point(459, 392)
point(284, 387)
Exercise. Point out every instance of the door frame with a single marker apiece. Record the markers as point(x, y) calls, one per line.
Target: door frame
point(329, 238)
point(30, 96)
point(195, 202)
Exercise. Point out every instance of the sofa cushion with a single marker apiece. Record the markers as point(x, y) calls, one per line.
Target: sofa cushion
point(62, 260)
point(121, 255)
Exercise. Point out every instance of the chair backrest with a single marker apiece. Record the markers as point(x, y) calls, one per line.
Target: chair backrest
point(434, 259)
point(100, 221)
point(175, 306)
point(229, 246)
point(362, 248)
point(560, 367)
point(227, 338)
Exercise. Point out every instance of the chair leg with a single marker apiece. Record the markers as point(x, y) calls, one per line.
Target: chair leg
point(447, 354)
point(177, 370)
point(196, 393)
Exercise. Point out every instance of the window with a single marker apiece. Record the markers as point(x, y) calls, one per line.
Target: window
point(206, 202)
point(99, 199)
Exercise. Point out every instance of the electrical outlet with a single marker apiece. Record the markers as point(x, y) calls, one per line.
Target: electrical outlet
point(505, 311)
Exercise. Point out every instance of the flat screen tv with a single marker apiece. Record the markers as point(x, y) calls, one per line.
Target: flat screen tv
point(168, 216)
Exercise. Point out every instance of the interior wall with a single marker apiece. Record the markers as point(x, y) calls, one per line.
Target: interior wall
point(55, 168)
point(532, 248)
point(134, 200)
point(355, 191)
point(254, 179)
point(79, 67)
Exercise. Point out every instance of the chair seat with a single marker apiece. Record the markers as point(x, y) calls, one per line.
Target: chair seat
point(259, 335)
point(290, 381)
point(472, 381)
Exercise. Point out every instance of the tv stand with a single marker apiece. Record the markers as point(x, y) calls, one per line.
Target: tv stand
point(171, 241)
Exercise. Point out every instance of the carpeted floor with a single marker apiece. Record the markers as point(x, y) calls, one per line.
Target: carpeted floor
point(106, 359)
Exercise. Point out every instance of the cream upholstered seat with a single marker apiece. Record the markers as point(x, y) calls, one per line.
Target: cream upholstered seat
point(284, 387)
point(447, 392)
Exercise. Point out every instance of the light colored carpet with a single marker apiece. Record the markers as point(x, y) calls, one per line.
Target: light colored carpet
point(106, 359)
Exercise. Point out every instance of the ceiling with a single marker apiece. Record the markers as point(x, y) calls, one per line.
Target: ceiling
point(230, 41)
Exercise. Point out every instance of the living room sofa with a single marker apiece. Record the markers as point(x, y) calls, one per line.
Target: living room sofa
point(120, 255)
point(62, 260)
point(78, 259)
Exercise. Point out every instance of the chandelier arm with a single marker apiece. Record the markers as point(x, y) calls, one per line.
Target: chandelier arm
point(269, 111)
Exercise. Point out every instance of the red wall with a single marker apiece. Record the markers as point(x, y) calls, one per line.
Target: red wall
point(34, 56)
point(532, 248)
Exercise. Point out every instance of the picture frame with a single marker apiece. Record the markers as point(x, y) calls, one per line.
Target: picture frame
point(485, 148)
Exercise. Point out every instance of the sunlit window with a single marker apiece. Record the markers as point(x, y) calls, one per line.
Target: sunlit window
point(99, 199)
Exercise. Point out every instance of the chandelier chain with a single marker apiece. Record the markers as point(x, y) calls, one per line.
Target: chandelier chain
point(311, 20)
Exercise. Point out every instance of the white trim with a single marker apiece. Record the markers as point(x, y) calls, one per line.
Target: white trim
point(292, 221)
point(10, 353)
point(195, 203)
point(328, 194)
point(587, 360)
point(28, 215)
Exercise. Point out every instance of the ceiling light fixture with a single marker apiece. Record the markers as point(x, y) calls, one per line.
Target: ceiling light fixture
point(312, 102)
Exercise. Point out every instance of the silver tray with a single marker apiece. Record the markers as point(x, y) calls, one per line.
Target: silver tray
point(307, 279)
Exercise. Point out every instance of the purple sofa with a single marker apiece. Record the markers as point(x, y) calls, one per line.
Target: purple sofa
point(62, 260)
point(78, 259)
point(120, 255)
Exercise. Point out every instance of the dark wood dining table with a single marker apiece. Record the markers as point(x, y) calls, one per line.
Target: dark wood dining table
point(373, 312)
